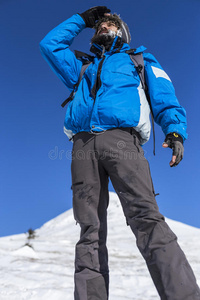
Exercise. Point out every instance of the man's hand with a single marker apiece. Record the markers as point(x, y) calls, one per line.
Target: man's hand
point(175, 142)
point(92, 15)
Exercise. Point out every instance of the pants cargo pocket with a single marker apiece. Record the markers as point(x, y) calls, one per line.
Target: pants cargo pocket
point(83, 203)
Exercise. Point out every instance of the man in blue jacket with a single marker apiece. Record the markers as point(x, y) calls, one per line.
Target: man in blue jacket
point(108, 120)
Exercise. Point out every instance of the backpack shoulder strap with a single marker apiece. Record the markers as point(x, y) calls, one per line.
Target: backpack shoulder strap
point(137, 59)
point(83, 56)
point(87, 60)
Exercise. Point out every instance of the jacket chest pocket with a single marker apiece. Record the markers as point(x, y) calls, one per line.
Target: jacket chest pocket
point(123, 76)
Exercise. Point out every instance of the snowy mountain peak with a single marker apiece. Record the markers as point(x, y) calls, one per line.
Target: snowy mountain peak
point(43, 268)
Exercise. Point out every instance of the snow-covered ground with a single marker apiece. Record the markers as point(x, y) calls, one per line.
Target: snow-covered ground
point(45, 272)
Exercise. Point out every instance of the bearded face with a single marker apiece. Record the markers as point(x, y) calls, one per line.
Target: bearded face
point(104, 39)
point(105, 34)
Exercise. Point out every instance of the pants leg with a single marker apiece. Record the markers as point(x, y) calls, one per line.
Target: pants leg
point(90, 201)
point(130, 176)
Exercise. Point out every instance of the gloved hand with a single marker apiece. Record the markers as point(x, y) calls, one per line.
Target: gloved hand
point(175, 142)
point(93, 14)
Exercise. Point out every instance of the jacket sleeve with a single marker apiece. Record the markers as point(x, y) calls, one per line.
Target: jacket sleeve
point(167, 111)
point(55, 49)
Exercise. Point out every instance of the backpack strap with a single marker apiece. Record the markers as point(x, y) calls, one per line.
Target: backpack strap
point(87, 60)
point(83, 56)
point(137, 59)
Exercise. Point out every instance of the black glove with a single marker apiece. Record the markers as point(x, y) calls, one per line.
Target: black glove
point(175, 142)
point(93, 14)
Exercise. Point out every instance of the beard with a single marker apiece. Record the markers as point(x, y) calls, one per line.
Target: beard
point(105, 40)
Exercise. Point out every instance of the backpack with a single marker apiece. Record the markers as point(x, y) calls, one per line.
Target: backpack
point(137, 59)
point(87, 60)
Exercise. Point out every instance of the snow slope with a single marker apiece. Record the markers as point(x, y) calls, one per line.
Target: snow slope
point(45, 272)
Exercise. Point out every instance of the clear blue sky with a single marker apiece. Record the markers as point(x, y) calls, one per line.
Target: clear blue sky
point(35, 164)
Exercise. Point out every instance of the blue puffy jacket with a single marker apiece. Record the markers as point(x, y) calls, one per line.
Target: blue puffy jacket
point(120, 100)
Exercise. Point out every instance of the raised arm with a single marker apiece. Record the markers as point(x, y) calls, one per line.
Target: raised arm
point(55, 49)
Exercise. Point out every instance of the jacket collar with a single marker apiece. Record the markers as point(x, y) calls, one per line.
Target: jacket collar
point(117, 46)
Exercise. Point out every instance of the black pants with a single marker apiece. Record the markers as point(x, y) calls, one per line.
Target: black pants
point(117, 154)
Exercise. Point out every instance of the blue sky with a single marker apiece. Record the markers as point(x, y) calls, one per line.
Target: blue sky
point(35, 153)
